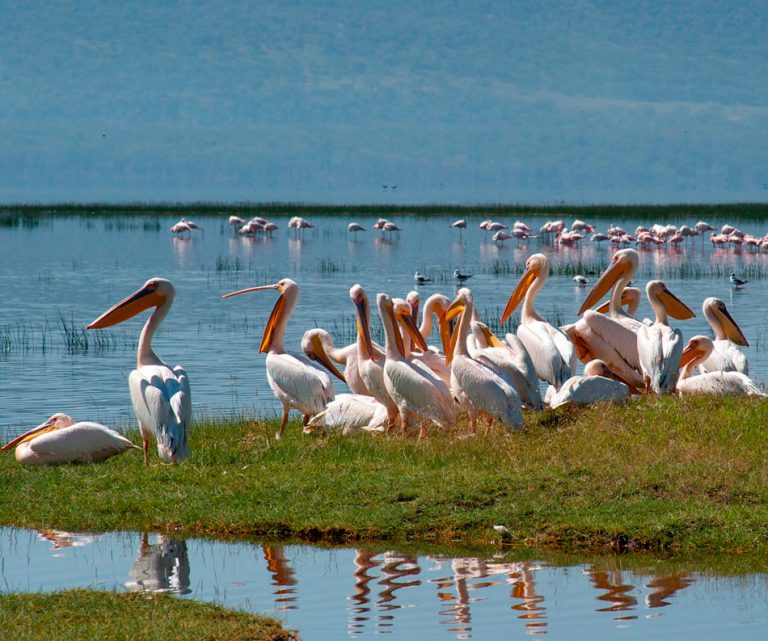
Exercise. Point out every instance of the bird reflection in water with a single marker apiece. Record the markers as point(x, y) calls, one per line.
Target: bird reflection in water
point(616, 591)
point(283, 577)
point(60, 539)
point(361, 603)
point(663, 587)
point(395, 566)
point(182, 251)
point(160, 567)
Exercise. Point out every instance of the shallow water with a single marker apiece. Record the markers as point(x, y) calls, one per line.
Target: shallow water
point(361, 594)
point(74, 268)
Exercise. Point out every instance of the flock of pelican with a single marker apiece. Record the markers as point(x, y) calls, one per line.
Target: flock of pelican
point(406, 382)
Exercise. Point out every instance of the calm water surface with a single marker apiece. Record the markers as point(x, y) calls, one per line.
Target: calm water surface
point(360, 594)
point(67, 271)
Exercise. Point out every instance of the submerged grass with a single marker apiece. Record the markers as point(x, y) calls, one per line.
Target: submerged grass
point(95, 615)
point(658, 474)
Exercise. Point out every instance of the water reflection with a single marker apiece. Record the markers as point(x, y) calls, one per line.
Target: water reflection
point(362, 593)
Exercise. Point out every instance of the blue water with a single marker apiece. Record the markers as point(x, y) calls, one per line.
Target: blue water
point(75, 268)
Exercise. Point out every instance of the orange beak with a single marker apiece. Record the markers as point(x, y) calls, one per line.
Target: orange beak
point(48, 426)
point(274, 317)
point(526, 280)
point(136, 303)
point(604, 284)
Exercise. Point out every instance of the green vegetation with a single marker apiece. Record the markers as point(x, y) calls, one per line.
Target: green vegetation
point(92, 615)
point(655, 474)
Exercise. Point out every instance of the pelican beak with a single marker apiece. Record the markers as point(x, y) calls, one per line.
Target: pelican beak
point(389, 308)
point(604, 283)
point(674, 306)
point(136, 303)
point(731, 328)
point(626, 298)
point(444, 327)
point(319, 354)
point(274, 317)
point(523, 286)
point(48, 426)
point(491, 338)
point(363, 327)
point(453, 310)
point(691, 352)
point(413, 331)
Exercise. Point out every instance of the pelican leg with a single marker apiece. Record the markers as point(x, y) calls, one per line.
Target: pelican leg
point(422, 430)
point(284, 422)
point(146, 450)
point(403, 421)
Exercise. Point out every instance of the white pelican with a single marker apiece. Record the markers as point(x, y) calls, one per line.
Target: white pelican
point(293, 380)
point(511, 359)
point(597, 385)
point(349, 412)
point(480, 389)
point(415, 390)
point(435, 305)
point(726, 356)
point(61, 440)
point(318, 345)
point(161, 396)
point(719, 383)
point(658, 345)
point(551, 350)
point(370, 359)
point(630, 297)
point(610, 337)
point(406, 316)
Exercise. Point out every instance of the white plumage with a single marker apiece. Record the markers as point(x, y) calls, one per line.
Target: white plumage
point(697, 351)
point(725, 356)
point(596, 385)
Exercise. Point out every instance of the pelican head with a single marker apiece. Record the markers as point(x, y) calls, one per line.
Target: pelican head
point(630, 296)
point(657, 291)
point(697, 350)
point(55, 422)
point(360, 300)
point(719, 318)
point(414, 300)
point(156, 292)
point(536, 268)
point(313, 343)
point(403, 314)
point(624, 264)
point(288, 289)
point(458, 306)
point(484, 335)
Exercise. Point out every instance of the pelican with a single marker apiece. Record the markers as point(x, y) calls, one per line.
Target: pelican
point(435, 305)
point(598, 384)
point(630, 297)
point(61, 440)
point(480, 389)
point(430, 358)
point(658, 345)
point(619, 274)
point(511, 359)
point(725, 357)
point(161, 396)
point(696, 352)
point(348, 412)
point(293, 380)
point(318, 345)
point(552, 352)
point(414, 389)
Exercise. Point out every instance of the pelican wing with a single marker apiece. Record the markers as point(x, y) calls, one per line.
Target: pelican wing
point(551, 351)
point(306, 388)
point(519, 374)
point(351, 411)
point(486, 391)
point(162, 401)
point(659, 348)
point(726, 357)
point(83, 442)
point(719, 384)
point(421, 391)
point(585, 390)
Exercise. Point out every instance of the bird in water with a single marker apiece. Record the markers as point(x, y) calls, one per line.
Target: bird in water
point(737, 282)
point(580, 280)
point(421, 279)
point(460, 276)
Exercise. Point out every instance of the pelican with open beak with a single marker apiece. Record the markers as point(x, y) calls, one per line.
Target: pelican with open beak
point(160, 395)
point(61, 440)
point(294, 381)
point(658, 345)
point(551, 351)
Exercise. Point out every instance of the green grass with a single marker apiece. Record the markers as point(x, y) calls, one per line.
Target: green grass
point(90, 615)
point(657, 474)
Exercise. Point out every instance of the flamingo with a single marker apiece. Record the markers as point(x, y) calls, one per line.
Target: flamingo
point(726, 356)
point(696, 352)
point(293, 380)
point(161, 396)
point(658, 345)
point(551, 350)
point(598, 384)
point(479, 388)
point(61, 440)
point(235, 222)
point(415, 390)
point(180, 228)
point(461, 225)
point(354, 228)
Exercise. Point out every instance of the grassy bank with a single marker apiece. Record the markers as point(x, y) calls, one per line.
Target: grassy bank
point(91, 615)
point(734, 211)
point(660, 474)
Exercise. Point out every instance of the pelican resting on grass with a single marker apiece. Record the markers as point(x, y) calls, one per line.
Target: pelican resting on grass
point(61, 440)
point(293, 380)
point(696, 352)
point(350, 412)
point(658, 345)
point(725, 356)
point(597, 385)
point(161, 396)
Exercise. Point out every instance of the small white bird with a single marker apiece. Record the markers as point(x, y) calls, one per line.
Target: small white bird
point(580, 280)
point(420, 278)
point(738, 282)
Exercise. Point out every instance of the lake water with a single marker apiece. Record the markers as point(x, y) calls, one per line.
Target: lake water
point(66, 271)
point(361, 594)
